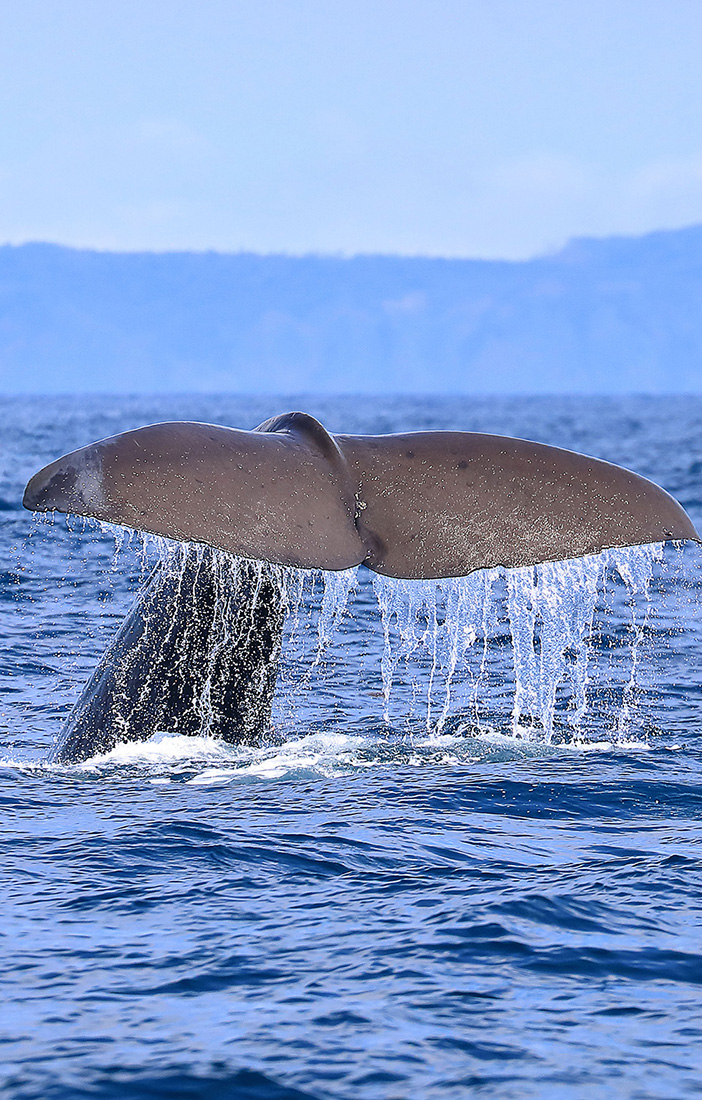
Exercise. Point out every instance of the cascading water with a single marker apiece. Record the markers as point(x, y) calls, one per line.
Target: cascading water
point(517, 652)
point(437, 620)
point(545, 613)
point(508, 651)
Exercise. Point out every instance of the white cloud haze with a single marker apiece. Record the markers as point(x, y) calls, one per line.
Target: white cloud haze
point(464, 127)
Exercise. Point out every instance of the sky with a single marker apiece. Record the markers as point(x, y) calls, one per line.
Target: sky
point(478, 128)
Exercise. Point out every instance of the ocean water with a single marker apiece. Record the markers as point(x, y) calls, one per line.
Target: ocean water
point(465, 862)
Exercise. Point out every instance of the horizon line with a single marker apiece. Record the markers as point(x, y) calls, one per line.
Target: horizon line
point(548, 253)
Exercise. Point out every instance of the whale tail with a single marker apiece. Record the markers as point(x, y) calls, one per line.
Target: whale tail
point(414, 505)
point(417, 505)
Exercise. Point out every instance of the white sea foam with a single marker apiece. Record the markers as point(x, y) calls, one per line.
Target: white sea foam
point(200, 761)
point(325, 754)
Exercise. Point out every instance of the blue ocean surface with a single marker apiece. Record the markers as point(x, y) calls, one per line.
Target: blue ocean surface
point(465, 862)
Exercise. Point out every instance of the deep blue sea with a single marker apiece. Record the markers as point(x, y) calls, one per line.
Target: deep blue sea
point(466, 863)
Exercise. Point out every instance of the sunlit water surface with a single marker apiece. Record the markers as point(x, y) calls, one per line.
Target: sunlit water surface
point(466, 860)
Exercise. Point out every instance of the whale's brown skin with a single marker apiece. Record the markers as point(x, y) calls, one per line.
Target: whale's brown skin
point(245, 492)
point(443, 504)
point(413, 505)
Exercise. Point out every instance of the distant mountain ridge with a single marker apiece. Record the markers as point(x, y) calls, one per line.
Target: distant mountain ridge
point(615, 315)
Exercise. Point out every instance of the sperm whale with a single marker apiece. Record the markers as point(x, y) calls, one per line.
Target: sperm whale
point(415, 505)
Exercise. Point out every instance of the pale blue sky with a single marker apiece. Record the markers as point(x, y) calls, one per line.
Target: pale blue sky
point(492, 128)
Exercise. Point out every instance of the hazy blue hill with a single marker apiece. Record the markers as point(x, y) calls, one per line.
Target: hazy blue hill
point(601, 316)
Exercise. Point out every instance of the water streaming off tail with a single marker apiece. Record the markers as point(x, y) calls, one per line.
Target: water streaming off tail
point(435, 624)
point(560, 651)
point(513, 650)
point(516, 651)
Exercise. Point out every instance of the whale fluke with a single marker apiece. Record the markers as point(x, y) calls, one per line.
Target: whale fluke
point(281, 493)
point(196, 656)
point(414, 505)
point(442, 504)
